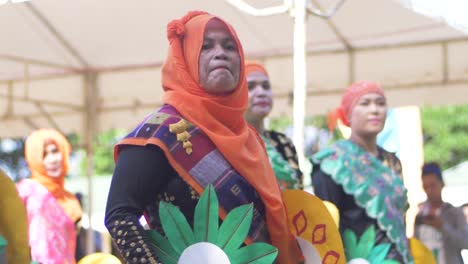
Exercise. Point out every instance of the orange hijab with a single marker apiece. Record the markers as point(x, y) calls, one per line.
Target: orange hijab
point(221, 118)
point(34, 152)
point(350, 97)
point(253, 66)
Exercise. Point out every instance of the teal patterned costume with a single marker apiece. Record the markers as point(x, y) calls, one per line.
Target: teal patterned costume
point(371, 198)
point(283, 158)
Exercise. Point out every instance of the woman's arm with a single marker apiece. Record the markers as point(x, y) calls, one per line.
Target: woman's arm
point(139, 175)
point(455, 230)
point(325, 188)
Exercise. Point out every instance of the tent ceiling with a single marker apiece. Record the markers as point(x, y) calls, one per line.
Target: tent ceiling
point(49, 46)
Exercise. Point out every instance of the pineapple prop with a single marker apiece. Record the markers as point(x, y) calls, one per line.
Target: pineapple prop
point(315, 229)
point(209, 243)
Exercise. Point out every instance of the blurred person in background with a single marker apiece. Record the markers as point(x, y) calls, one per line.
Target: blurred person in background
point(439, 225)
point(281, 151)
point(82, 235)
point(52, 211)
point(364, 181)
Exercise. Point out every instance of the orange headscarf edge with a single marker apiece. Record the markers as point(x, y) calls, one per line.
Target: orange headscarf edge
point(349, 99)
point(254, 66)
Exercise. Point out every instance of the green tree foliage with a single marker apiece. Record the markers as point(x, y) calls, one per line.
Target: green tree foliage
point(12, 160)
point(104, 152)
point(445, 132)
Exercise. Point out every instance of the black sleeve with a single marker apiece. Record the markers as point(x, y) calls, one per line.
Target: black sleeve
point(325, 188)
point(140, 174)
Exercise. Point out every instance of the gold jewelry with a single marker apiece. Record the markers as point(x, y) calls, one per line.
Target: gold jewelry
point(180, 129)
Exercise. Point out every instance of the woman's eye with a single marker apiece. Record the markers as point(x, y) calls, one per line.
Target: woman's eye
point(230, 46)
point(251, 85)
point(206, 46)
point(266, 86)
point(382, 103)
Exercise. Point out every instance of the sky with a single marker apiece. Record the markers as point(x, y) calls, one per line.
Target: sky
point(453, 12)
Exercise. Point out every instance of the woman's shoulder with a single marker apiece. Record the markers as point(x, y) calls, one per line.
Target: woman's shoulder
point(334, 150)
point(390, 160)
point(277, 136)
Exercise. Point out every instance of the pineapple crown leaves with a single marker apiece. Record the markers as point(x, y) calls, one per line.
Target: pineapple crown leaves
point(364, 248)
point(229, 237)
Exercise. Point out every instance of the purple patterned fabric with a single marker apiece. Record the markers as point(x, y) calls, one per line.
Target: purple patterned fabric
point(206, 165)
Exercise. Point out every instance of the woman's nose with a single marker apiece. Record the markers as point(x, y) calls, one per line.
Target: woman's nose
point(220, 52)
point(259, 91)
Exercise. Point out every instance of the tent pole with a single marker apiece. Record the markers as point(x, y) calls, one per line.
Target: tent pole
point(91, 93)
point(300, 78)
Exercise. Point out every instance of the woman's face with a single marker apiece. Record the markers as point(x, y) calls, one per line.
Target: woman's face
point(368, 114)
point(219, 61)
point(260, 96)
point(52, 160)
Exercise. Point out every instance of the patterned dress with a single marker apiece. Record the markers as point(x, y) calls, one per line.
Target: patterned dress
point(283, 158)
point(52, 234)
point(371, 198)
point(153, 179)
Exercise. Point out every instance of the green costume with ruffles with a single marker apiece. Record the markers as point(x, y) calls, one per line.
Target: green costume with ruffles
point(375, 188)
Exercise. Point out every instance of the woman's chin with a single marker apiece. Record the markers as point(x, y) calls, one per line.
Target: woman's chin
point(54, 174)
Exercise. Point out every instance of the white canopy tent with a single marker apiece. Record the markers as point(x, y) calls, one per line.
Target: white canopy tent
point(63, 63)
point(88, 66)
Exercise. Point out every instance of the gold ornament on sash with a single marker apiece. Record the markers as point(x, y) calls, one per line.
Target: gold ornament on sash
point(180, 129)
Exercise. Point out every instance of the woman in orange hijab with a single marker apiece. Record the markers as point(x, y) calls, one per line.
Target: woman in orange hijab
point(280, 148)
point(199, 137)
point(52, 211)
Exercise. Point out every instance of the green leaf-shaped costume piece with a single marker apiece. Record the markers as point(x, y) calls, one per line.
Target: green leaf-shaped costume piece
point(165, 252)
point(235, 228)
point(206, 219)
point(176, 227)
point(229, 237)
point(364, 248)
point(256, 253)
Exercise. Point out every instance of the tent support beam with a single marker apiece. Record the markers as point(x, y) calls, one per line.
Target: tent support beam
point(48, 117)
point(445, 62)
point(409, 86)
point(43, 102)
point(19, 59)
point(273, 54)
point(60, 38)
point(90, 130)
point(300, 78)
point(9, 96)
point(30, 123)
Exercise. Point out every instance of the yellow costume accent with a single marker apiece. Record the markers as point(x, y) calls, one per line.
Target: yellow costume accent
point(99, 258)
point(334, 212)
point(180, 129)
point(309, 219)
point(421, 254)
point(13, 222)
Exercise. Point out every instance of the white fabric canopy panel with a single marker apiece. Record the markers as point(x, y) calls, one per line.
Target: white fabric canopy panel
point(50, 46)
